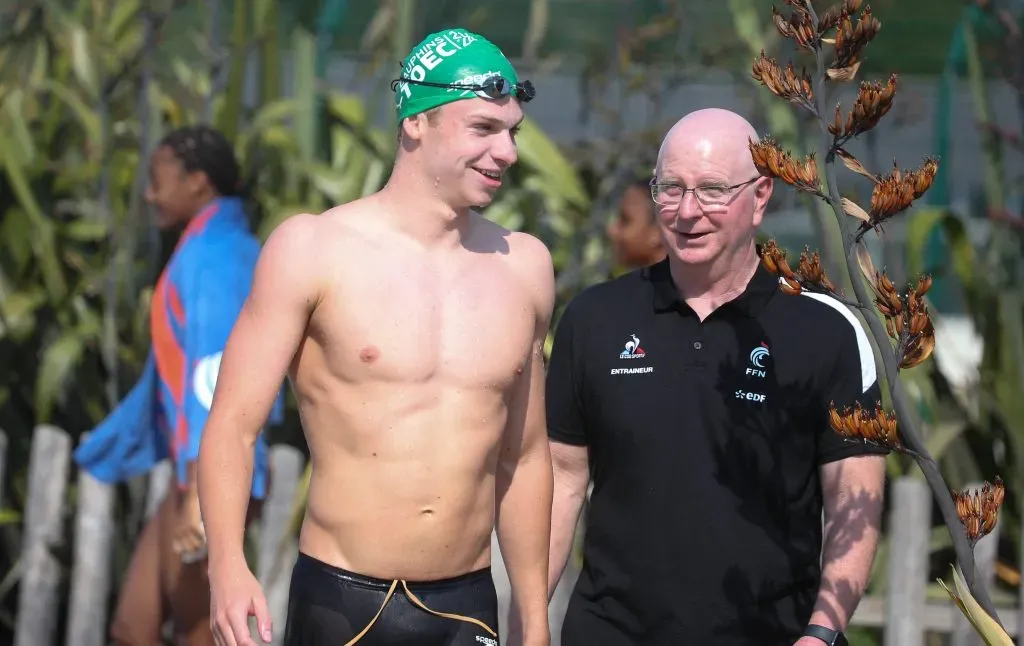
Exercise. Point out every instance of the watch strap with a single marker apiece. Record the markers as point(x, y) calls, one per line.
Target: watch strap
point(827, 635)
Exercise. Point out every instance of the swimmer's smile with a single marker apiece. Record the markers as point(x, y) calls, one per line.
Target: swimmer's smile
point(491, 177)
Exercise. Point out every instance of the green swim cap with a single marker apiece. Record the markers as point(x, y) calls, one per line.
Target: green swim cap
point(454, 57)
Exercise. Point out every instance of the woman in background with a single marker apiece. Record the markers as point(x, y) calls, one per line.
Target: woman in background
point(194, 187)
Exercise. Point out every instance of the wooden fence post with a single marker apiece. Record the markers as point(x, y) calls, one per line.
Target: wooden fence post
point(41, 571)
point(90, 575)
point(274, 575)
point(985, 552)
point(909, 530)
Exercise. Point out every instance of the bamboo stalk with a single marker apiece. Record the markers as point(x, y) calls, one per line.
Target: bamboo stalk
point(217, 68)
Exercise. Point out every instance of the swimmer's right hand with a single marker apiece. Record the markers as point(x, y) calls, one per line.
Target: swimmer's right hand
point(236, 595)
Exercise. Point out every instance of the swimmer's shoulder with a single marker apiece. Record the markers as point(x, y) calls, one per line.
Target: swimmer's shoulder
point(526, 255)
point(320, 232)
point(516, 246)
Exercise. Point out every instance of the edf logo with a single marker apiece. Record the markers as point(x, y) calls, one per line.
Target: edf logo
point(757, 357)
point(750, 397)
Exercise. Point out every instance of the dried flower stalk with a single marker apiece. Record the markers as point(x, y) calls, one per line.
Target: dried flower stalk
point(831, 17)
point(876, 427)
point(906, 318)
point(896, 191)
point(873, 101)
point(850, 40)
point(799, 28)
point(979, 510)
point(809, 276)
point(771, 161)
point(784, 83)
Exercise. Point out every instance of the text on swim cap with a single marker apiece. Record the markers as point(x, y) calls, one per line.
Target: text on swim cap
point(474, 79)
point(429, 56)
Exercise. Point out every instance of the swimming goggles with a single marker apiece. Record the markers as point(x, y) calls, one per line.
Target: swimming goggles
point(493, 87)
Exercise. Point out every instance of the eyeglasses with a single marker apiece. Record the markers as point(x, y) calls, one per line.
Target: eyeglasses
point(669, 194)
point(493, 87)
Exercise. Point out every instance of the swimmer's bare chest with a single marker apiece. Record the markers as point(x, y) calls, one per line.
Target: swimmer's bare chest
point(398, 335)
point(404, 388)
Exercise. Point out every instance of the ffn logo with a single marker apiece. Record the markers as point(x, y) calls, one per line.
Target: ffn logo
point(757, 357)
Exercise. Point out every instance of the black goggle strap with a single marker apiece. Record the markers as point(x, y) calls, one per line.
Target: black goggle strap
point(494, 87)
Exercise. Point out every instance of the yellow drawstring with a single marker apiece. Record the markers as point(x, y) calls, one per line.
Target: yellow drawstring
point(420, 604)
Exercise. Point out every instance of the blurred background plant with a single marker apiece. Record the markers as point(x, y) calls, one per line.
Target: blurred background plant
point(87, 87)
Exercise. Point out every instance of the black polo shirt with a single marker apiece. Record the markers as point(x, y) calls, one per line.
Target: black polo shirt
point(705, 440)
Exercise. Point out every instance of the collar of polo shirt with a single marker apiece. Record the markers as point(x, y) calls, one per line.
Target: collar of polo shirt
point(761, 288)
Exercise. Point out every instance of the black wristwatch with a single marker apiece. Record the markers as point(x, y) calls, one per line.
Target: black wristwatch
point(827, 635)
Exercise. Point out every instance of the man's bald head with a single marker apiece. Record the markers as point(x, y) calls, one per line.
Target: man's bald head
point(712, 133)
point(708, 152)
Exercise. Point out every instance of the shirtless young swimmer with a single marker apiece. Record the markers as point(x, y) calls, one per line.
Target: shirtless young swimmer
point(412, 331)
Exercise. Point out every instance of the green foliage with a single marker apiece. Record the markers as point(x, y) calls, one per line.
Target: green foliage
point(84, 98)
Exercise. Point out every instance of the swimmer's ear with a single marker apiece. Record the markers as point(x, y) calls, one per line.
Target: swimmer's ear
point(414, 127)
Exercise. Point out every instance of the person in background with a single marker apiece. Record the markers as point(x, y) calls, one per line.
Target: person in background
point(633, 233)
point(695, 395)
point(195, 188)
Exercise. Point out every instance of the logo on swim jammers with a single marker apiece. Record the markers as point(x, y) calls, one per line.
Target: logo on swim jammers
point(487, 641)
point(633, 349)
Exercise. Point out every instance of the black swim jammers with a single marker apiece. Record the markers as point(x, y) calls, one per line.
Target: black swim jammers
point(331, 606)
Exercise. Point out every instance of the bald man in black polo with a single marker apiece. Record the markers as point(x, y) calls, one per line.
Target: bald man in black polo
point(694, 395)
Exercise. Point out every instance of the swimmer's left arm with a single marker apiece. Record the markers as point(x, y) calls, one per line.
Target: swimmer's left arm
point(524, 477)
point(852, 497)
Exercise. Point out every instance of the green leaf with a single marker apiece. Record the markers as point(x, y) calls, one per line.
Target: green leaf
point(43, 240)
point(82, 59)
point(124, 16)
point(540, 154)
point(59, 360)
point(85, 230)
point(16, 235)
point(268, 115)
point(984, 624)
point(229, 116)
point(277, 216)
point(920, 227)
point(86, 116)
point(374, 178)
point(339, 185)
point(348, 108)
point(304, 80)
point(942, 435)
point(18, 311)
point(23, 146)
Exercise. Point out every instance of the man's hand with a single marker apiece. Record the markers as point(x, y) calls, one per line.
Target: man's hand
point(236, 595)
point(809, 641)
point(189, 541)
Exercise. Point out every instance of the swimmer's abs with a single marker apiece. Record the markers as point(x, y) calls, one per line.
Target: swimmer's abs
point(423, 548)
